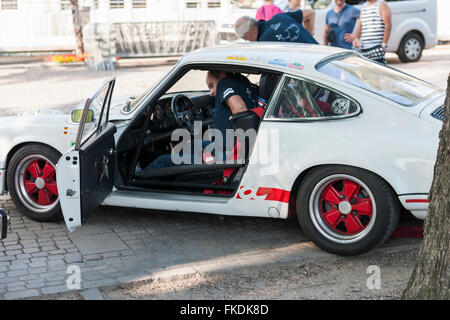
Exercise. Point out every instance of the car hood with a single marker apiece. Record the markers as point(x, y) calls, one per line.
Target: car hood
point(115, 113)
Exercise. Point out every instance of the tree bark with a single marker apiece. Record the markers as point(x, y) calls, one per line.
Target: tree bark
point(429, 279)
point(76, 19)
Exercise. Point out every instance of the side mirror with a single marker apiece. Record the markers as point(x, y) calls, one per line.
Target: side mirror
point(77, 114)
point(3, 224)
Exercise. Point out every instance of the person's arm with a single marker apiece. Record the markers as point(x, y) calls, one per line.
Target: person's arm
point(350, 37)
point(308, 18)
point(236, 104)
point(386, 15)
point(325, 40)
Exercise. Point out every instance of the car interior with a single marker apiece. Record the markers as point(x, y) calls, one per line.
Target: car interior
point(184, 100)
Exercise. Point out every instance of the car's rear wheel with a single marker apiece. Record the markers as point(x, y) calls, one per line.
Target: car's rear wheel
point(32, 184)
point(346, 210)
point(410, 48)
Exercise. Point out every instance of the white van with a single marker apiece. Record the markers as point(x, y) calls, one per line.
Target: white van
point(414, 25)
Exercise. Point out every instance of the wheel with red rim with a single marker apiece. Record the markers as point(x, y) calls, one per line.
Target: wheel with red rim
point(346, 210)
point(31, 179)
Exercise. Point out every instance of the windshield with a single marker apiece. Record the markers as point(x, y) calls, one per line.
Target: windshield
point(387, 82)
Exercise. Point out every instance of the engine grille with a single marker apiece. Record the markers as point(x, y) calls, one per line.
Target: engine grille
point(438, 113)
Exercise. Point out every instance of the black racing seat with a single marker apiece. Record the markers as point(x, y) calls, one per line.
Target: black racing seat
point(267, 84)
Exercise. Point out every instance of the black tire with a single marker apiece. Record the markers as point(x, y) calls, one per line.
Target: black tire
point(22, 200)
point(377, 229)
point(410, 48)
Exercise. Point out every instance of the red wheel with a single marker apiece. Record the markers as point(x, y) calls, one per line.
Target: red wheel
point(346, 210)
point(37, 182)
point(32, 184)
point(345, 207)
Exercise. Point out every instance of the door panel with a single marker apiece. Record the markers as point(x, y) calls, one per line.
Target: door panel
point(85, 173)
point(97, 167)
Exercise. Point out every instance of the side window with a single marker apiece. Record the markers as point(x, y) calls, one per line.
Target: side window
point(305, 100)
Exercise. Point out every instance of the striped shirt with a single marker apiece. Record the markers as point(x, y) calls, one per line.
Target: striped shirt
point(373, 26)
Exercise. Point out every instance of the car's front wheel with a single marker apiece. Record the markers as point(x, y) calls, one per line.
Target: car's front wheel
point(346, 210)
point(32, 185)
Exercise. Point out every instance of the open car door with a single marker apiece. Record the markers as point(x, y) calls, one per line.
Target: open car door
point(85, 173)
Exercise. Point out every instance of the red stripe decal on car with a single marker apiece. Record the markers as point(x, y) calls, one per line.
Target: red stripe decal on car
point(261, 193)
point(417, 201)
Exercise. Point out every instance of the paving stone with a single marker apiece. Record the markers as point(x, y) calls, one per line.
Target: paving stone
point(98, 283)
point(14, 247)
point(23, 256)
point(29, 277)
point(15, 284)
point(73, 257)
point(13, 267)
point(21, 294)
point(58, 257)
point(89, 257)
point(34, 284)
point(97, 243)
point(91, 294)
point(57, 252)
point(55, 283)
point(38, 270)
point(18, 288)
point(38, 264)
point(39, 254)
point(13, 252)
point(17, 273)
point(55, 289)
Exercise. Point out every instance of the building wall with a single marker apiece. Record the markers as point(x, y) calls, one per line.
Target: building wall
point(45, 25)
point(443, 28)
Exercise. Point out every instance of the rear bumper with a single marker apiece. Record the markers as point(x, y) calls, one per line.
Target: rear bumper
point(416, 203)
point(2, 181)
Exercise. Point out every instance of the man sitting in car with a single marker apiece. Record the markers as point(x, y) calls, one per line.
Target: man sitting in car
point(233, 93)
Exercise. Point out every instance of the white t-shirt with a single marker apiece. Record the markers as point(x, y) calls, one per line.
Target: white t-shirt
point(282, 4)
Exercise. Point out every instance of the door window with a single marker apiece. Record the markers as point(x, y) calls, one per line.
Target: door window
point(300, 99)
point(98, 104)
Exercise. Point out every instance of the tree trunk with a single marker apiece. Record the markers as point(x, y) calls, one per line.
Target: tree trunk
point(429, 279)
point(76, 19)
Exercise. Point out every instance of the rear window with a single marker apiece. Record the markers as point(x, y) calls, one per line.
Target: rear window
point(385, 81)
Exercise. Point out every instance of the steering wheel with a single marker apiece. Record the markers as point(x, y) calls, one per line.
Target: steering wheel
point(184, 111)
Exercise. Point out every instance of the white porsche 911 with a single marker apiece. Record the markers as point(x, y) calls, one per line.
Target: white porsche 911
point(354, 142)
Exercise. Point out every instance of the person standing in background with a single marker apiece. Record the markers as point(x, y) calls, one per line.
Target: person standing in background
point(307, 14)
point(282, 4)
point(339, 21)
point(374, 30)
point(267, 11)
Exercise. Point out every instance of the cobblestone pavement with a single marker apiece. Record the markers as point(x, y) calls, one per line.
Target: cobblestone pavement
point(120, 245)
